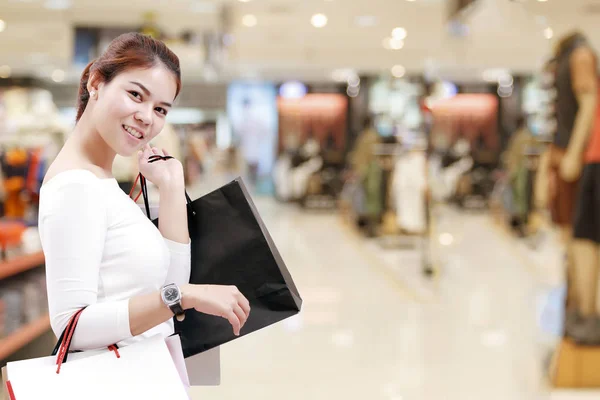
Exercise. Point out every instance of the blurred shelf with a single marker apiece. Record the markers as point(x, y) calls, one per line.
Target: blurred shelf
point(23, 336)
point(20, 264)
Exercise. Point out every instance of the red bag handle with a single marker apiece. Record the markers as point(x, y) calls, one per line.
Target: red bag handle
point(142, 179)
point(66, 339)
point(62, 348)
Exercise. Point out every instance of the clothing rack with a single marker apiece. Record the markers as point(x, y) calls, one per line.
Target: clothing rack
point(420, 241)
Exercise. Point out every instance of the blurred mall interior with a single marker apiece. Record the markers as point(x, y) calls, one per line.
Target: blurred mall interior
point(423, 167)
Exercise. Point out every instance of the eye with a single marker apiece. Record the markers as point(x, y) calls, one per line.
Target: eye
point(161, 110)
point(135, 94)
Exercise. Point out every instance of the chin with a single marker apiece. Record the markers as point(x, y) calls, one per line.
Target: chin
point(123, 152)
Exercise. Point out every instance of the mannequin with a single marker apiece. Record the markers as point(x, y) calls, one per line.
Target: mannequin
point(586, 328)
point(576, 86)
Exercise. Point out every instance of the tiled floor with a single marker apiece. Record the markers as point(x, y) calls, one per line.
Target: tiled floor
point(373, 327)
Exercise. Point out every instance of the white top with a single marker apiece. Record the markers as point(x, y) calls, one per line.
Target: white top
point(100, 250)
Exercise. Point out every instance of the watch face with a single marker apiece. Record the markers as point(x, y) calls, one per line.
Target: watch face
point(171, 294)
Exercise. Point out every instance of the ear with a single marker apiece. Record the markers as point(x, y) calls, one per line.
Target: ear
point(94, 83)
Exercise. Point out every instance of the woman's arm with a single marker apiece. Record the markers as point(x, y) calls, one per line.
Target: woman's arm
point(167, 175)
point(73, 226)
point(172, 211)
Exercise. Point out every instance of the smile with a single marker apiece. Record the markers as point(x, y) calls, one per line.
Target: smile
point(133, 132)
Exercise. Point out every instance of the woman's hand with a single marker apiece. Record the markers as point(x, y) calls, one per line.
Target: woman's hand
point(223, 301)
point(162, 172)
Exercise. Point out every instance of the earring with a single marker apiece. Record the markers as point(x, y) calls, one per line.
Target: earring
point(93, 93)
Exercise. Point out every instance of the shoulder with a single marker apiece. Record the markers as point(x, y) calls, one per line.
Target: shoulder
point(71, 176)
point(59, 168)
point(80, 186)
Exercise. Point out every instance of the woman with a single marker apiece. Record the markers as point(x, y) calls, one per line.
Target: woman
point(102, 252)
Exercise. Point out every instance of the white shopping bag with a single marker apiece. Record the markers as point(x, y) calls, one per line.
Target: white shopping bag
point(174, 345)
point(142, 370)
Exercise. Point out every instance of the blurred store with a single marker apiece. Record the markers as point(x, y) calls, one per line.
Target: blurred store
point(426, 167)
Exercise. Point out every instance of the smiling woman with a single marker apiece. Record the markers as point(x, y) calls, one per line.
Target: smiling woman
point(136, 76)
point(102, 253)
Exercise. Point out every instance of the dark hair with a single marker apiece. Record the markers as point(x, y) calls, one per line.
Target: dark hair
point(566, 41)
point(130, 50)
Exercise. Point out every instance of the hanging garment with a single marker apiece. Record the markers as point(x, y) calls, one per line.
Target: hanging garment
point(33, 170)
point(282, 178)
point(14, 164)
point(592, 153)
point(562, 195)
point(372, 183)
point(519, 189)
point(362, 153)
point(301, 175)
point(410, 184)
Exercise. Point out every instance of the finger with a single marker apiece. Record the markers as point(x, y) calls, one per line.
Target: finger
point(155, 150)
point(245, 305)
point(241, 315)
point(234, 321)
point(147, 151)
point(165, 152)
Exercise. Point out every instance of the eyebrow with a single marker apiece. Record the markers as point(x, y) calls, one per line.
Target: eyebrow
point(147, 92)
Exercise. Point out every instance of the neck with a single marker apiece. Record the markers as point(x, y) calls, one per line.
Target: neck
point(90, 146)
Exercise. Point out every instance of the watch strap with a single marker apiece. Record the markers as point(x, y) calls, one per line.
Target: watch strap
point(176, 308)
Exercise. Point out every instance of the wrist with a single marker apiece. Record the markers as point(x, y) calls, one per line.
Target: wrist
point(172, 184)
point(186, 297)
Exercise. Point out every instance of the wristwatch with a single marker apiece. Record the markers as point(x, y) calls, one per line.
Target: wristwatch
point(171, 296)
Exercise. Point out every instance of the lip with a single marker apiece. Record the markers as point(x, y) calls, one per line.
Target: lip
point(137, 129)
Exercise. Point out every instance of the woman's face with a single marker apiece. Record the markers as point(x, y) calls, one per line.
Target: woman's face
point(130, 111)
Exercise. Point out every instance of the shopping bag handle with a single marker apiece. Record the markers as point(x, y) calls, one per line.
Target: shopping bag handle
point(63, 345)
point(144, 187)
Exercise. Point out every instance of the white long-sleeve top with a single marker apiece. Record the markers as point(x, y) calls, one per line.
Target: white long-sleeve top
point(101, 250)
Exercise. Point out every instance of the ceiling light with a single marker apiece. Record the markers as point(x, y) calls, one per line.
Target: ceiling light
point(548, 33)
point(353, 80)
point(2, 25)
point(504, 91)
point(506, 80)
point(249, 20)
point(5, 72)
point(244, 1)
point(397, 44)
point(366, 20)
point(399, 33)
point(319, 20)
point(57, 4)
point(542, 1)
point(411, 0)
point(353, 91)
point(493, 75)
point(58, 75)
point(293, 90)
point(342, 75)
point(398, 71)
point(393, 44)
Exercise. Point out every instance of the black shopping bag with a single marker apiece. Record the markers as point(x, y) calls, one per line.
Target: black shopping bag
point(231, 246)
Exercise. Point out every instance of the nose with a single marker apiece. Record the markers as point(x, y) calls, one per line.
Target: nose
point(144, 115)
